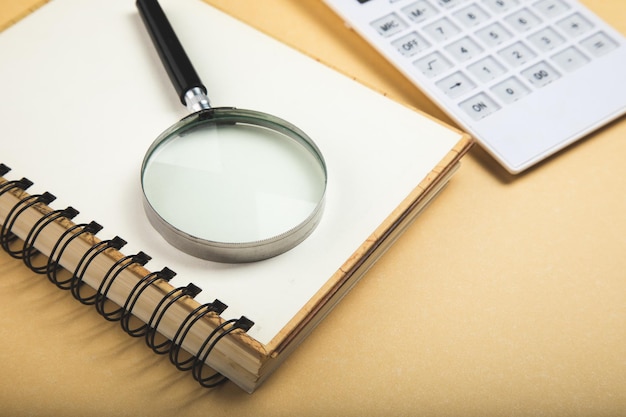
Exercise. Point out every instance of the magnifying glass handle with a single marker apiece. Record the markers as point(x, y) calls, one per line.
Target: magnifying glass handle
point(182, 74)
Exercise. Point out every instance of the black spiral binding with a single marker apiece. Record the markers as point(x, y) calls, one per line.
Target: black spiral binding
point(243, 323)
point(166, 302)
point(101, 295)
point(54, 260)
point(76, 281)
point(28, 249)
point(216, 307)
point(165, 274)
point(52, 267)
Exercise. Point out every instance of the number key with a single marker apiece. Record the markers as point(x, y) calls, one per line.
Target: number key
point(464, 49)
point(500, 6)
point(517, 54)
point(486, 69)
point(441, 30)
point(471, 16)
point(546, 39)
point(541, 74)
point(522, 20)
point(493, 35)
point(510, 90)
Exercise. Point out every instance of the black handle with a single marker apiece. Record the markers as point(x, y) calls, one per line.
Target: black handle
point(173, 56)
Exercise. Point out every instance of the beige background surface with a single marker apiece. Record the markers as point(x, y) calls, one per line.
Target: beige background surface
point(507, 297)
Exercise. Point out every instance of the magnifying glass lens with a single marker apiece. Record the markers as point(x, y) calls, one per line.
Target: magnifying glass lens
point(232, 182)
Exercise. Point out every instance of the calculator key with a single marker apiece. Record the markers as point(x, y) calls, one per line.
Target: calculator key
point(517, 54)
point(450, 3)
point(522, 20)
point(570, 59)
point(510, 90)
point(433, 64)
point(501, 6)
point(599, 44)
point(441, 30)
point(487, 69)
point(420, 11)
point(551, 8)
point(389, 25)
point(575, 25)
point(456, 85)
point(464, 49)
point(541, 74)
point(410, 44)
point(479, 106)
point(546, 39)
point(493, 35)
point(471, 16)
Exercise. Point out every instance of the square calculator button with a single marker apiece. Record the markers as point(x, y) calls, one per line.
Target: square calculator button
point(493, 35)
point(510, 90)
point(420, 11)
point(471, 16)
point(541, 74)
point(450, 3)
point(486, 69)
point(599, 44)
point(433, 64)
point(441, 30)
point(546, 39)
point(501, 6)
point(456, 85)
point(464, 49)
point(479, 106)
point(551, 8)
point(389, 25)
point(570, 59)
point(575, 25)
point(522, 20)
point(410, 44)
point(517, 54)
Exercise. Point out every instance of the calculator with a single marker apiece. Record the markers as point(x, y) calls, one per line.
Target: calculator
point(525, 78)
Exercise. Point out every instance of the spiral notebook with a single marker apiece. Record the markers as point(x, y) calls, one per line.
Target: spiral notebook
point(83, 95)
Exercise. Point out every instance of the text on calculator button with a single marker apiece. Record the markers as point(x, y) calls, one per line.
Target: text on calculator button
point(471, 16)
point(389, 25)
point(410, 44)
point(441, 30)
point(493, 35)
point(420, 11)
point(479, 106)
point(541, 74)
point(486, 69)
point(456, 85)
point(599, 44)
point(575, 25)
point(570, 59)
point(517, 54)
point(501, 6)
point(433, 64)
point(464, 49)
point(546, 39)
point(510, 90)
point(551, 8)
point(522, 20)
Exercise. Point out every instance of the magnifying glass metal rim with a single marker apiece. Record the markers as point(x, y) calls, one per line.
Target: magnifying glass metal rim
point(236, 252)
point(192, 94)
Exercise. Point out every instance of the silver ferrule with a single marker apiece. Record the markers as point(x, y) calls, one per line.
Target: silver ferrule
point(196, 100)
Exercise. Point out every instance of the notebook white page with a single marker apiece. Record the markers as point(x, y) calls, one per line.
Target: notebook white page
point(83, 95)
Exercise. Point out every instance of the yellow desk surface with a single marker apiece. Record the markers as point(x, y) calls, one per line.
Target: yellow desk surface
point(507, 297)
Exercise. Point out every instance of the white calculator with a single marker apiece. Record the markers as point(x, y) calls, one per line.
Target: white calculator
point(525, 77)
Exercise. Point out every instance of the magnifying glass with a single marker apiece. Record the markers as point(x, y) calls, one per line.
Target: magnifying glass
point(227, 184)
